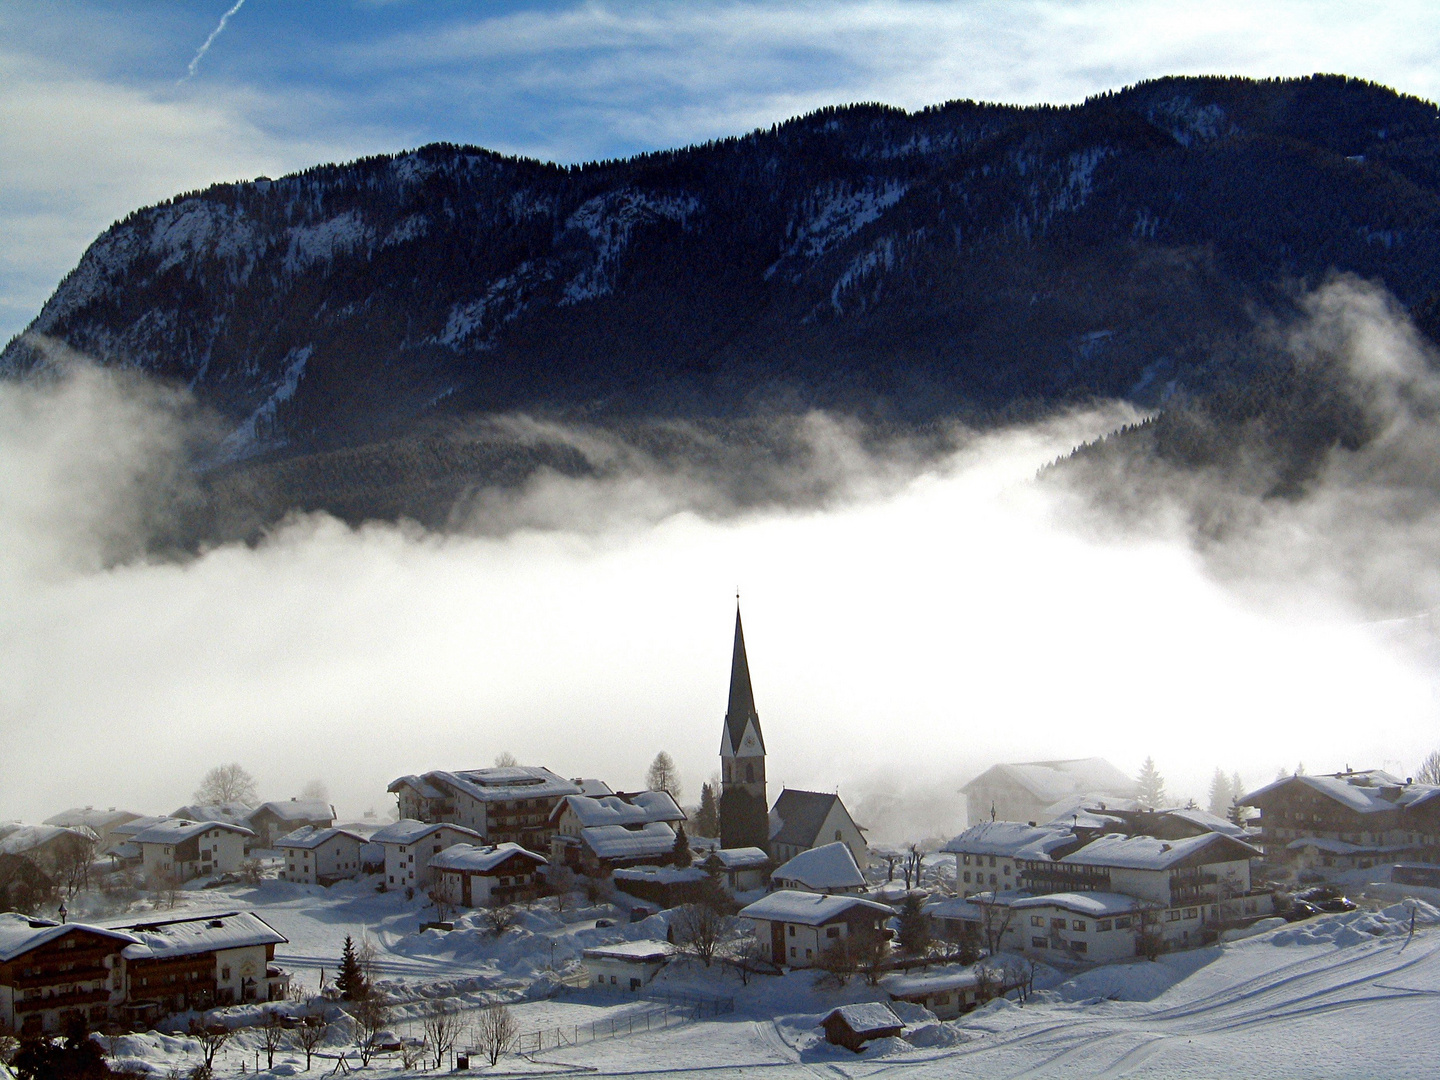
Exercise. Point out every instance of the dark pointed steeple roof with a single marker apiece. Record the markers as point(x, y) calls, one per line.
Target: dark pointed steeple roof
point(742, 697)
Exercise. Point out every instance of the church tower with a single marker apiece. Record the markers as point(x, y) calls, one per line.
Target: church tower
point(744, 817)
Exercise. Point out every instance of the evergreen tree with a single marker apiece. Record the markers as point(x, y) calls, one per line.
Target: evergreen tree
point(1221, 793)
point(706, 821)
point(680, 853)
point(1152, 785)
point(351, 980)
point(914, 933)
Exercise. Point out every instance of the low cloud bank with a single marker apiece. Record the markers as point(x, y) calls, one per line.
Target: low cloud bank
point(916, 609)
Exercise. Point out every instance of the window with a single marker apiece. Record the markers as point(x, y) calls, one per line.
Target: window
point(992, 861)
point(832, 931)
point(1079, 946)
point(1057, 924)
point(792, 930)
point(1102, 925)
point(1122, 923)
point(992, 879)
point(1007, 869)
point(967, 877)
point(966, 860)
point(1172, 916)
point(1191, 913)
point(808, 954)
point(1039, 943)
point(838, 836)
point(1077, 924)
point(1037, 920)
point(792, 952)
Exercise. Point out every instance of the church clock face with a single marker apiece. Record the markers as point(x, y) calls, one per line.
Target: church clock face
point(749, 740)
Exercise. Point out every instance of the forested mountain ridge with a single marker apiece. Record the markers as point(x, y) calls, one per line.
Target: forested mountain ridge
point(967, 259)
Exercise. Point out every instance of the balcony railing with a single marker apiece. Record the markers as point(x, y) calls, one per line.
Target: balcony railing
point(62, 1001)
point(51, 977)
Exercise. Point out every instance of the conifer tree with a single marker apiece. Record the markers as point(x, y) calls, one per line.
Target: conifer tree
point(351, 979)
point(1221, 793)
point(707, 819)
point(1152, 785)
point(680, 853)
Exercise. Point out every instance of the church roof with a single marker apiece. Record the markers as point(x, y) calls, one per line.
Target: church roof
point(742, 698)
point(797, 816)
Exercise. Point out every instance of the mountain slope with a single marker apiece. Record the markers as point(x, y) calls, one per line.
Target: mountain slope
point(969, 260)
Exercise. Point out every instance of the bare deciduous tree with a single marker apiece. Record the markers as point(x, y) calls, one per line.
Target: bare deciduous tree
point(561, 880)
point(505, 760)
point(871, 946)
point(501, 919)
point(441, 1025)
point(370, 1015)
point(495, 1031)
point(698, 929)
point(311, 1034)
point(74, 852)
point(272, 1036)
point(995, 922)
point(226, 783)
point(211, 1038)
point(1429, 771)
point(316, 789)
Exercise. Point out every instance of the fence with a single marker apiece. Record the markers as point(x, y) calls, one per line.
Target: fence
point(672, 1010)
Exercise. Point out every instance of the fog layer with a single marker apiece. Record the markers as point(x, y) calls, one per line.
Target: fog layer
point(935, 613)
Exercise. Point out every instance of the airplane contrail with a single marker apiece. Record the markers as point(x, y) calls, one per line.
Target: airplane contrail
point(211, 39)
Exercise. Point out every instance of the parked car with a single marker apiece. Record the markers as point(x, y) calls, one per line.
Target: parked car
point(1336, 903)
point(1301, 909)
point(601, 924)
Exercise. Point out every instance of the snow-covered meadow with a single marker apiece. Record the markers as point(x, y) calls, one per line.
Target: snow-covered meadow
point(1346, 995)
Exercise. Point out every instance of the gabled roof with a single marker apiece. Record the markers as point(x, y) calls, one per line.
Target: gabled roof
point(500, 784)
point(309, 838)
point(741, 707)
point(1009, 839)
point(797, 816)
point(139, 825)
point(175, 831)
point(91, 818)
point(296, 810)
point(236, 812)
point(1367, 792)
point(201, 933)
point(409, 831)
point(739, 858)
point(808, 909)
point(1152, 853)
point(929, 981)
point(829, 867)
point(632, 951)
point(20, 933)
point(866, 1018)
point(1095, 904)
point(1051, 781)
point(619, 842)
point(18, 839)
point(620, 809)
point(470, 857)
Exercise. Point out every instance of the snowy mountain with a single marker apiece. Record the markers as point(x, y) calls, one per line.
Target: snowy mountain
point(968, 259)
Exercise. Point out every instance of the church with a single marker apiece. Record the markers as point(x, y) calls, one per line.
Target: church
point(800, 820)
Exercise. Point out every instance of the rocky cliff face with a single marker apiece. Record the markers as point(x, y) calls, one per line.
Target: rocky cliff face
point(967, 260)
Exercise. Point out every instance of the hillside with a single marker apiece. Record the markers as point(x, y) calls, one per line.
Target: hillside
point(969, 260)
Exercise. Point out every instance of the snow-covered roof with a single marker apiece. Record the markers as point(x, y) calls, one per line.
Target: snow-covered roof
point(91, 818)
point(867, 1017)
point(139, 825)
point(620, 809)
point(235, 812)
point(1150, 853)
point(310, 838)
point(1008, 839)
point(634, 951)
point(202, 933)
point(500, 784)
point(471, 857)
point(740, 858)
point(1205, 820)
point(594, 788)
point(1095, 904)
point(126, 849)
point(176, 830)
point(931, 981)
point(409, 831)
point(422, 787)
point(619, 842)
point(1340, 847)
point(19, 933)
point(954, 908)
point(829, 867)
point(18, 839)
point(808, 909)
point(663, 875)
point(798, 816)
point(1368, 792)
point(1087, 807)
point(297, 810)
point(1051, 781)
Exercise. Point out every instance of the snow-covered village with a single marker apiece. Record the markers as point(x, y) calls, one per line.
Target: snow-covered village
point(509, 919)
point(863, 539)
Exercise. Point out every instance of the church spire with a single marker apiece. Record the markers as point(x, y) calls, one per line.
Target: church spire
point(741, 709)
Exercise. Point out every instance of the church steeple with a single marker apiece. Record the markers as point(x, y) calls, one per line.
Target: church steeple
point(741, 710)
point(743, 817)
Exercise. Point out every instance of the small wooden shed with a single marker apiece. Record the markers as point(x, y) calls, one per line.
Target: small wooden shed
point(852, 1026)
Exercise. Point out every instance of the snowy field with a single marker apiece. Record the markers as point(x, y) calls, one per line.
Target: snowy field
point(1349, 996)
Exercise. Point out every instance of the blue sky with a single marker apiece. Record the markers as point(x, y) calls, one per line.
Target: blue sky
point(99, 113)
